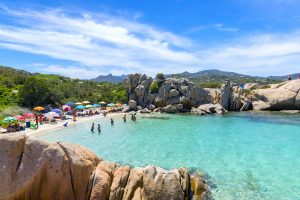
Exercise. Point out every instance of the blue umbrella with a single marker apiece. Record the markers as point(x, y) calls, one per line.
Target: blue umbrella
point(96, 105)
point(80, 107)
point(58, 111)
point(70, 103)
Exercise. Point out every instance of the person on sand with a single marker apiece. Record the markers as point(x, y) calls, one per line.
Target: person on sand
point(36, 120)
point(111, 121)
point(124, 118)
point(99, 128)
point(93, 127)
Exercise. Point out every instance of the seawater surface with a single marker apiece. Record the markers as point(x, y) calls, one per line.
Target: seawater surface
point(246, 155)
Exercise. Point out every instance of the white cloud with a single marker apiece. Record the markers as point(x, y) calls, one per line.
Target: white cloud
point(218, 27)
point(101, 44)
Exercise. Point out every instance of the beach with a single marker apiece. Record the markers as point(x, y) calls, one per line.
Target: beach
point(43, 129)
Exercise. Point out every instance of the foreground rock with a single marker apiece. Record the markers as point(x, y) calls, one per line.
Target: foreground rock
point(284, 96)
point(31, 169)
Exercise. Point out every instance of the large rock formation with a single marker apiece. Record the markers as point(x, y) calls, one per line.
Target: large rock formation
point(284, 96)
point(171, 91)
point(32, 169)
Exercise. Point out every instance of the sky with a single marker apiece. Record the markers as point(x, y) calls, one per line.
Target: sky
point(83, 39)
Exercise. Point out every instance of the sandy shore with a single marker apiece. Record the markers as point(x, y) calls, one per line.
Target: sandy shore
point(59, 125)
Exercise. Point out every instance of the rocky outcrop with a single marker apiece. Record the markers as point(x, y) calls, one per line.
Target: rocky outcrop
point(32, 169)
point(208, 109)
point(171, 91)
point(284, 96)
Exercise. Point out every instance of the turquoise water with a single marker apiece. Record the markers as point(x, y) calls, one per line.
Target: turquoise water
point(246, 155)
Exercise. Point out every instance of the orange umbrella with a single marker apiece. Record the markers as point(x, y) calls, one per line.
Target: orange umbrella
point(119, 104)
point(39, 108)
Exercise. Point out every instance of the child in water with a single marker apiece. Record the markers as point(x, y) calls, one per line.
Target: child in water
point(99, 128)
point(111, 121)
point(92, 128)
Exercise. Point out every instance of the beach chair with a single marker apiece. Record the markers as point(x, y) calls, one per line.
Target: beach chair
point(65, 124)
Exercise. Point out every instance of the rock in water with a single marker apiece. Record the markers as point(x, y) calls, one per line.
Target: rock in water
point(169, 109)
point(284, 96)
point(32, 169)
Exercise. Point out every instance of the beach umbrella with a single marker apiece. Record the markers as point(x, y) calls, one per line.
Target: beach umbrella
point(28, 115)
point(119, 104)
point(102, 102)
point(80, 107)
point(78, 103)
point(10, 119)
point(111, 105)
point(85, 102)
point(51, 114)
point(96, 105)
point(58, 111)
point(20, 117)
point(70, 104)
point(88, 106)
point(39, 108)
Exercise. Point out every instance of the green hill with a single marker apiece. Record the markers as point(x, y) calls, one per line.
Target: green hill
point(19, 87)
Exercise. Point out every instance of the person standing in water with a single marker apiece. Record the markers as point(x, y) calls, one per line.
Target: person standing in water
point(92, 128)
point(111, 121)
point(124, 118)
point(99, 128)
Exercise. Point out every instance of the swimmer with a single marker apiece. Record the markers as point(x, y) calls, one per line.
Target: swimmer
point(111, 121)
point(92, 128)
point(99, 128)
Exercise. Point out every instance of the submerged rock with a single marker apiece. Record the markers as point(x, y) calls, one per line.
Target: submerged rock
point(32, 169)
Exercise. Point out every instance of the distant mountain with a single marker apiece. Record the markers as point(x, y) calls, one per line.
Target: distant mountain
point(110, 78)
point(211, 72)
point(293, 76)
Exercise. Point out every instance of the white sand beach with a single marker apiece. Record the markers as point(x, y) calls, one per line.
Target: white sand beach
point(59, 125)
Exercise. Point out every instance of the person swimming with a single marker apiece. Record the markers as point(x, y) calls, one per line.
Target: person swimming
point(99, 128)
point(93, 127)
point(111, 121)
point(124, 118)
point(133, 117)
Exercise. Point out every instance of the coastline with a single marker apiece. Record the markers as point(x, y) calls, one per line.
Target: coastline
point(59, 125)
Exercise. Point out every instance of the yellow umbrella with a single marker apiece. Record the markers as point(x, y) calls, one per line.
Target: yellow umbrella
point(39, 108)
point(78, 103)
point(85, 102)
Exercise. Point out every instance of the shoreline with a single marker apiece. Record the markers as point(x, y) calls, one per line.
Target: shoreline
point(43, 129)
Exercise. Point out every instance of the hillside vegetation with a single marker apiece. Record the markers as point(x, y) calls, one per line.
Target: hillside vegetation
point(18, 87)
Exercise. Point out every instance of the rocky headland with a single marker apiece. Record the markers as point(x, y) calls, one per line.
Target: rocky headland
point(172, 95)
point(32, 169)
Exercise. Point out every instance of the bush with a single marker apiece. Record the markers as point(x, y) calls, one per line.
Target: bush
point(211, 85)
point(154, 87)
point(12, 111)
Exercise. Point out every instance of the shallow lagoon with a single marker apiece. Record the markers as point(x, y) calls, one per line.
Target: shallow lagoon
point(246, 155)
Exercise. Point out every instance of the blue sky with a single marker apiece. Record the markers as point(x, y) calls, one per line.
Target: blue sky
point(84, 39)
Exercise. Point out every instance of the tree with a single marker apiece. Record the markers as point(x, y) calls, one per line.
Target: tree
point(34, 92)
point(160, 77)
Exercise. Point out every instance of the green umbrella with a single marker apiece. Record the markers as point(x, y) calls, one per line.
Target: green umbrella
point(102, 102)
point(10, 119)
point(88, 106)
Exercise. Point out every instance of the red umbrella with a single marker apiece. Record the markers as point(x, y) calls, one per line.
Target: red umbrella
point(28, 115)
point(20, 118)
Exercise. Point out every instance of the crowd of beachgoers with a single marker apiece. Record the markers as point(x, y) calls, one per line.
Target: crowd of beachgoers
point(63, 115)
